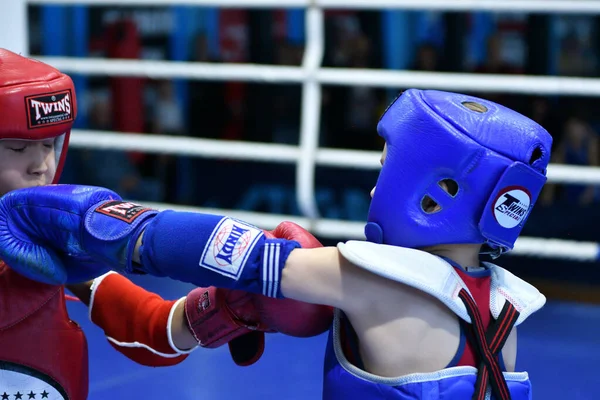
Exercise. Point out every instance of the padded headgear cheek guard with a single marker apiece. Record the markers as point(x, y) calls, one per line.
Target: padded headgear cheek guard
point(496, 157)
point(37, 102)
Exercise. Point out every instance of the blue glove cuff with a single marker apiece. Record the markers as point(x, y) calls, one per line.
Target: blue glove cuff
point(112, 229)
point(212, 250)
point(276, 253)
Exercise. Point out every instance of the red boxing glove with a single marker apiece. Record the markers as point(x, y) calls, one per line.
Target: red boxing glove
point(292, 231)
point(216, 316)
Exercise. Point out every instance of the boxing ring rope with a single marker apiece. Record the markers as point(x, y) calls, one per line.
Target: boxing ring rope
point(542, 85)
point(530, 6)
point(238, 150)
point(312, 76)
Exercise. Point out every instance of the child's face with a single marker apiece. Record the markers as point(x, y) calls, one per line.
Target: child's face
point(26, 163)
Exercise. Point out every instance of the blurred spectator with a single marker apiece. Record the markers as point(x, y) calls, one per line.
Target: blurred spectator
point(353, 111)
point(167, 119)
point(208, 116)
point(287, 98)
point(577, 51)
point(207, 108)
point(494, 61)
point(579, 146)
point(541, 111)
point(495, 64)
point(346, 28)
point(427, 58)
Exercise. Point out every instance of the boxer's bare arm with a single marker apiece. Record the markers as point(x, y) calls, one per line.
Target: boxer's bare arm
point(136, 251)
point(317, 276)
point(324, 276)
point(509, 351)
point(394, 322)
point(182, 337)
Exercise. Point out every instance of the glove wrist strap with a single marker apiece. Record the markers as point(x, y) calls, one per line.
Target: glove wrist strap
point(111, 231)
point(211, 250)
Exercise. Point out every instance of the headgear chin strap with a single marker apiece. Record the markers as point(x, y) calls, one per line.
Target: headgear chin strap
point(496, 157)
point(37, 102)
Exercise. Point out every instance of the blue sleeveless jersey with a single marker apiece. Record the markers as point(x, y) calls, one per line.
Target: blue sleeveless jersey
point(343, 380)
point(509, 300)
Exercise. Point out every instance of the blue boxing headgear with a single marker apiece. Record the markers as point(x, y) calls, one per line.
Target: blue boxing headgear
point(495, 156)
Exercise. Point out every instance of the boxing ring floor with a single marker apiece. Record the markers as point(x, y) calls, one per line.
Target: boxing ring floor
point(559, 346)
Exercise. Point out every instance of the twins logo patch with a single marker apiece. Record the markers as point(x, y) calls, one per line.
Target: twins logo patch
point(511, 206)
point(229, 246)
point(123, 210)
point(49, 109)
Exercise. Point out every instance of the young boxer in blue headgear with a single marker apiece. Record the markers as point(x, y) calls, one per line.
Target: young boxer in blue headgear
point(419, 315)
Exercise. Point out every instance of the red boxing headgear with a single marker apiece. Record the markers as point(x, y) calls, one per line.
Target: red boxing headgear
point(37, 102)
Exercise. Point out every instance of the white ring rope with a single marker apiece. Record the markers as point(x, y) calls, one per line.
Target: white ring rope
point(311, 75)
point(528, 6)
point(177, 69)
point(522, 84)
point(270, 152)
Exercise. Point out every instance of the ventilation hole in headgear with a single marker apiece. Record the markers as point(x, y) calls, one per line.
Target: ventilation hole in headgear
point(450, 186)
point(535, 155)
point(473, 106)
point(430, 206)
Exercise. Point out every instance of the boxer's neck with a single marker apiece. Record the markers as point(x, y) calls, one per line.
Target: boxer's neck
point(466, 255)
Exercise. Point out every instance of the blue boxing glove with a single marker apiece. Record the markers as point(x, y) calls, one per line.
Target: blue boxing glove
point(67, 233)
point(61, 234)
point(213, 250)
